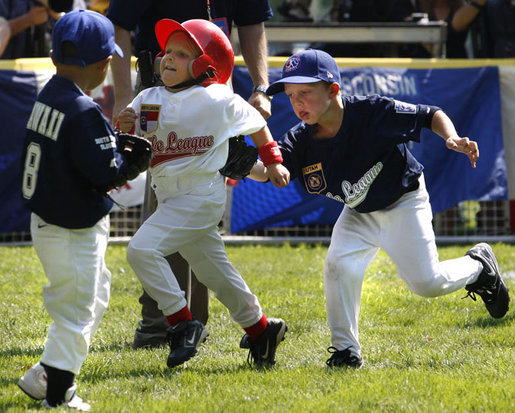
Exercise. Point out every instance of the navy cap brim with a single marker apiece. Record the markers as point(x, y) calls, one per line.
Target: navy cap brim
point(118, 50)
point(278, 86)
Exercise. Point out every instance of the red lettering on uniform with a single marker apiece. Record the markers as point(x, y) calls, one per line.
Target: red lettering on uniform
point(155, 143)
point(172, 142)
point(179, 148)
point(194, 145)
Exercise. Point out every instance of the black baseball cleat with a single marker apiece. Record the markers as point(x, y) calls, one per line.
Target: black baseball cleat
point(262, 350)
point(489, 285)
point(184, 339)
point(343, 358)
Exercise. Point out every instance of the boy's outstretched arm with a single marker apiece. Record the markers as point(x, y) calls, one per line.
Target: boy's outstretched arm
point(443, 126)
point(278, 174)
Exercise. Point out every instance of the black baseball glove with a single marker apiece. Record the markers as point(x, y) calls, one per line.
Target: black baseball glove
point(137, 151)
point(241, 159)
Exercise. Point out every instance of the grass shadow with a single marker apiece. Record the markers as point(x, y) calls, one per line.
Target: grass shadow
point(487, 321)
point(160, 371)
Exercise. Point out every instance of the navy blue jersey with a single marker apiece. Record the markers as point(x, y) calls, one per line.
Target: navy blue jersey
point(70, 157)
point(367, 164)
point(142, 15)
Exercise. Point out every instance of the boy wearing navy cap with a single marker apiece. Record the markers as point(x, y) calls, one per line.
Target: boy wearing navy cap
point(71, 160)
point(353, 149)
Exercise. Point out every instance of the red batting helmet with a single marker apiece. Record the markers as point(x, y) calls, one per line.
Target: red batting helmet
point(217, 53)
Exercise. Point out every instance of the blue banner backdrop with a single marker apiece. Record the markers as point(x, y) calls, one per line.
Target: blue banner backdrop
point(18, 92)
point(470, 96)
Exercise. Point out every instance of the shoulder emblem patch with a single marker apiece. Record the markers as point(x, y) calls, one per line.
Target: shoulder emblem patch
point(314, 178)
point(403, 107)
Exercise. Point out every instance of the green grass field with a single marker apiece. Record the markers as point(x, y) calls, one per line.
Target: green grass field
point(421, 355)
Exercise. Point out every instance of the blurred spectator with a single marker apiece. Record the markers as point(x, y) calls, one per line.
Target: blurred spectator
point(364, 11)
point(379, 10)
point(295, 11)
point(28, 25)
point(25, 22)
point(5, 34)
point(500, 19)
point(459, 16)
point(313, 10)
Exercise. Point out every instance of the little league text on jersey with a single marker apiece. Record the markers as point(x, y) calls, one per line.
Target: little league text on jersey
point(356, 193)
point(175, 147)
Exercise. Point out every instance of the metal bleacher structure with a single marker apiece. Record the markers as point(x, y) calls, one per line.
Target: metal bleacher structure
point(432, 33)
point(467, 222)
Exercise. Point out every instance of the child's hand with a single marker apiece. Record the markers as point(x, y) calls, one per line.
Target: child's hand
point(126, 119)
point(466, 146)
point(278, 174)
point(258, 172)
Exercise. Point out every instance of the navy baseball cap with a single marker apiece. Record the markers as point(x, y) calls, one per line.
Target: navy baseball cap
point(91, 32)
point(308, 66)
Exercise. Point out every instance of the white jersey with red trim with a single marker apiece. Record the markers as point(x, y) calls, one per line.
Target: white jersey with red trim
point(189, 130)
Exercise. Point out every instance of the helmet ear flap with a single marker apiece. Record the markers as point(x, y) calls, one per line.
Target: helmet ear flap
point(201, 65)
point(157, 62)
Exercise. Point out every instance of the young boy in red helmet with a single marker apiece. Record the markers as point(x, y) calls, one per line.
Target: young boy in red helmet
point(189, 121)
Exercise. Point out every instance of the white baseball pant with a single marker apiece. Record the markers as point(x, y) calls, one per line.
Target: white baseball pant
point(404, 231)
point(187, 223)
point(77, 294)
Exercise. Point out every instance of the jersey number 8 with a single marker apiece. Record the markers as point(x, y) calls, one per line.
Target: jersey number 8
point(30, 172)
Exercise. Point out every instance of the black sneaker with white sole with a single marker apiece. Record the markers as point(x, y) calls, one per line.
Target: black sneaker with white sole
point(343, 358)
point(184, 339)
point(489, 285)
point(262, 350)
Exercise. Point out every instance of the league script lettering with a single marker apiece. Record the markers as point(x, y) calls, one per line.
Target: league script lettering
point(175, 147)
point(355, 194)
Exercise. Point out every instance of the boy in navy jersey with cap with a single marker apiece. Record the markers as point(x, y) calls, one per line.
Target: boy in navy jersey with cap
point(353, 150)
point(71, 161)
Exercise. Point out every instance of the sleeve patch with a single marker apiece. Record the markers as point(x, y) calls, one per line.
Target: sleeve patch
point(403, 107)
point(106, 142)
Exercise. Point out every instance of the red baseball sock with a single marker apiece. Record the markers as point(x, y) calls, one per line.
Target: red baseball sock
point(255, 330)
point(179, 316)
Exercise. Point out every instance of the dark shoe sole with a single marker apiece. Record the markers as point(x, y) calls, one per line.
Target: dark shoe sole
point(356, 365)
point(500, 306)
point(343, 358)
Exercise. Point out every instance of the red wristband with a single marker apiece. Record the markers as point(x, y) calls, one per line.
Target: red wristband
point(270, 153)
